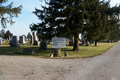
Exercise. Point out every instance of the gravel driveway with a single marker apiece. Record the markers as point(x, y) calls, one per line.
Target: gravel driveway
point(102, 67)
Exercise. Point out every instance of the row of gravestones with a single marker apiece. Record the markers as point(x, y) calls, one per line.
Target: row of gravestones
point(84, 42)
point(34, 41)
point(14, 41)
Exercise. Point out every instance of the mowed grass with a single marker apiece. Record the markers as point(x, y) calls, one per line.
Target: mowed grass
point(85, 51)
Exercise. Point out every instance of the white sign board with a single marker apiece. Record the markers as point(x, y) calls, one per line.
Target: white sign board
point(58, 42)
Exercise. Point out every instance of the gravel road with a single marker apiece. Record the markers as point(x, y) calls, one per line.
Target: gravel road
point(102, 67)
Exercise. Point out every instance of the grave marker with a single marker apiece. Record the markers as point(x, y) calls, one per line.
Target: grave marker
point(71, 42)
point(43, 45)
point(31, 41)
point(28, 51)
point(35, 38)
point(22, 39)
point(14, 42)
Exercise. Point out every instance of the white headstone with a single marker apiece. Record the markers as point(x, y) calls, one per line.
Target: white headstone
point(9, 38)
point(35, 39)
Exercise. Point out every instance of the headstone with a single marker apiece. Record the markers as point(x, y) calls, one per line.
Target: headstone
point(71, 43)
point(82, 40)
point(86, 43)
point(28, 51)
point(22, 39)
point(9, 38)
point(35, 38)
point(31, 41)
point(43, 45)
point(0, 41)
point(28, 39)
point(14, 42)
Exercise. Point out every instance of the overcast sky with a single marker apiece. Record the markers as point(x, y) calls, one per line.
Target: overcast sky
point(22, 23)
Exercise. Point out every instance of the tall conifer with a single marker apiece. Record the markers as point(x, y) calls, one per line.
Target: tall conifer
point(61, 18)
point(8, 12)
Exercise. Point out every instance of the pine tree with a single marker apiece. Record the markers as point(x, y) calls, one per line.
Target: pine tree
point(8, 34)
point(29, 35)
point(8, 12)
point(97, 19)
point(61, 18)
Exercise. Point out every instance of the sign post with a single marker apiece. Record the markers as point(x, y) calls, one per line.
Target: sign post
point(59, 42)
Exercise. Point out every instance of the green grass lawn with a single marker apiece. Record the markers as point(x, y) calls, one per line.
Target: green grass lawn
point(85, 51)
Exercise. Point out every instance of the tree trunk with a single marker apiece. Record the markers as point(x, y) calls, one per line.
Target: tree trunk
point(95, 42)
point(76, 33)
point(76, 43)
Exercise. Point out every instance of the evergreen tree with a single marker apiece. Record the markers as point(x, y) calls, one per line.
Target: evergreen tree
point(71, 17)
point(114, 34)
point(29, 35)
point(8, 12)
point(99, 21)
point(8, 34)
point(61, 18)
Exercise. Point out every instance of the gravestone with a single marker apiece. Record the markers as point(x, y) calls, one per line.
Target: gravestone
point(71, 43)
point(35, 38)
point(28, 51)
point(28, 39)
point(9, 38)
point(43, 45)
point(22, 39)
point(92, 42)
point(31, 41)
point(14, 42)
point(82, 40)
point(0, 41)
point(86, 43)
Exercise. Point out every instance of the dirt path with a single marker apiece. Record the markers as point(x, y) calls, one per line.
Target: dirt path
point(102, 67)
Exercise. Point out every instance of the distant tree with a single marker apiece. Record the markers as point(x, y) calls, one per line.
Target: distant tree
point(8, 34)
point(96, 20)
point(99, 20)
point(115, 33)
point(29, 35)
point(8, 12)
point(2, 33)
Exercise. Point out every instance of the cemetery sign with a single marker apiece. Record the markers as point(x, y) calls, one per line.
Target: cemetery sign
point(58, 42)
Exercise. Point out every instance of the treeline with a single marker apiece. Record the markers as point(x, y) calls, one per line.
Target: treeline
point(94, 19)
point(6, 34)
